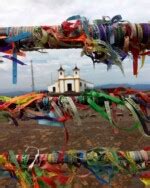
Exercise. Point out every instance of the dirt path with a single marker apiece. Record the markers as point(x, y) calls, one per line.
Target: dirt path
point(94, 132)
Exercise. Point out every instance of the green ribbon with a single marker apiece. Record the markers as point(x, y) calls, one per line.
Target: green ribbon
point(138, 115)
point(94, 98)
point(38, 171)
point(102, 96)
point(23, 173)
point(98, 109)
point(4, 98)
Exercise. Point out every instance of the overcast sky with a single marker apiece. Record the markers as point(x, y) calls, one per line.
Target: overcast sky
point(50, 12)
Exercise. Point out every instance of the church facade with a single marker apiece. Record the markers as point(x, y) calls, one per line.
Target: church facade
point(72, 83)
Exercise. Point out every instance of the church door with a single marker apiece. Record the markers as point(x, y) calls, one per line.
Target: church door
point(54, 89)
point(69, 87)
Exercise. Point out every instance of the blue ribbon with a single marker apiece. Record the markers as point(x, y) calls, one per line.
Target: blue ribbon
point(101, 180)
point(76, 17)
point(116, 19)
point(5, 48)
point(50, 120)
point(4, 173)
point(18, 37)
point(14, 59)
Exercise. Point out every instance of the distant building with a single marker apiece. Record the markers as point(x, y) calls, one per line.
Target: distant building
point(69, 83)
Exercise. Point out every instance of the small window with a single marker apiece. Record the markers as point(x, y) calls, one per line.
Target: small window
point(84, 85)
point(60, 73)
point(76, 72)
point(80, 84)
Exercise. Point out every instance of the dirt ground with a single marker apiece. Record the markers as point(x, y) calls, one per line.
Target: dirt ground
point(94, 132)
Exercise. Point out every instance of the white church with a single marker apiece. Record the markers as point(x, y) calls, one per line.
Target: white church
point(70, 83)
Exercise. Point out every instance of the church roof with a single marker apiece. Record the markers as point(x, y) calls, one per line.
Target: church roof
point(60, 69)
point(76, 68)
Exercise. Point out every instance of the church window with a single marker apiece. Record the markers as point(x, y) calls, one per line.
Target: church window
point(76, 72)
point(60, 73)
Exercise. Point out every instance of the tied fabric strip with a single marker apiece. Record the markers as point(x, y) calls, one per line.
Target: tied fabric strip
point(19, 37)
point(44, 109)
point(45, 169)
point(107, 40)
point(14, 59)
point(14, 70)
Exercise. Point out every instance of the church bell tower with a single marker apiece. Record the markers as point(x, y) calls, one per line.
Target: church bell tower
point(61, 73)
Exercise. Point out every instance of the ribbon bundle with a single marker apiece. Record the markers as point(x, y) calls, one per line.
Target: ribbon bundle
point(38, 106)
point(55, 111)
point(113, 39)
point(106, 105)
point(106, 40)
point(47, 170)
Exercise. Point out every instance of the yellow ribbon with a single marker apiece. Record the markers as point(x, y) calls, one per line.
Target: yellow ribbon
point(146, 181)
